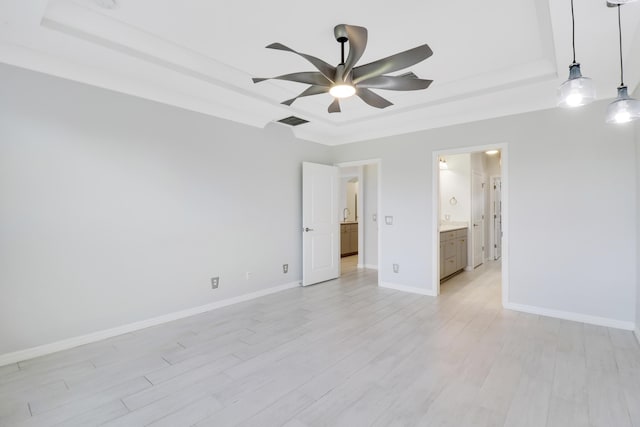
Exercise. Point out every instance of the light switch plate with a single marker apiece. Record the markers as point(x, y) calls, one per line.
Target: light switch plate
point(388, 220)
point(396, 268)
point(375, 217)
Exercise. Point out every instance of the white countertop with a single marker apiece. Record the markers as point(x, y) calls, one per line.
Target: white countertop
point(451, 227)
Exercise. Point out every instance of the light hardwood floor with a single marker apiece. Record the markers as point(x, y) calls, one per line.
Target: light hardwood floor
point(342, 353)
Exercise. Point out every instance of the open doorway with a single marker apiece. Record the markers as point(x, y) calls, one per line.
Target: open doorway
point(469, 215)
point(350, 201)
point(358, 208)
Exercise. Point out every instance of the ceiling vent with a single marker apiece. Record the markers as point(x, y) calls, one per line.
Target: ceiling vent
point(293, 121)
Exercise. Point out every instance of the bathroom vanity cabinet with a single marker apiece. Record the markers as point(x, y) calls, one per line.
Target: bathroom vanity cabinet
point(348, 239)
point(453, 251)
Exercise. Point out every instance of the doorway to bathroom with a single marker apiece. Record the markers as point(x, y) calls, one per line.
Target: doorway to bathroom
point(358, 208)
point(469, 215)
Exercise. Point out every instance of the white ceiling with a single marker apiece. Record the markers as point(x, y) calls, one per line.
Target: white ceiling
point(490, 58)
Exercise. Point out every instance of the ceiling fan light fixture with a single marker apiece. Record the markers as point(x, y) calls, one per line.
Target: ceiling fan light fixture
point(623, 109)
point(342, 91)
point(577, 90)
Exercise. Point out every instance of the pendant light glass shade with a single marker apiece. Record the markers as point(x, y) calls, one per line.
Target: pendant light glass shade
point(577, 90)
point(624, 109)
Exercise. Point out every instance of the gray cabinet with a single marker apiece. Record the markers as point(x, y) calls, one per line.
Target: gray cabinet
point(349, 239)
point(453, 252)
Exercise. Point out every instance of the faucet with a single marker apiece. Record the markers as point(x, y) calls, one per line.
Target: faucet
point(345, 213)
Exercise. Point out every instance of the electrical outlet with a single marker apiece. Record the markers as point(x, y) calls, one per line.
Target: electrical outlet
point(215, 281)
point(388, 220)
point(248, 275)
point(375, 217)
point(285, 268)
point(396, 268)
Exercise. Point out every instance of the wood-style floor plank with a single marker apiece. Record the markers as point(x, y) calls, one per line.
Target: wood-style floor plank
point(341, 353)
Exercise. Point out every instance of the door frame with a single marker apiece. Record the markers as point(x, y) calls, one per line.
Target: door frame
point(474, 176)
point(361, 186)
point(435, 214)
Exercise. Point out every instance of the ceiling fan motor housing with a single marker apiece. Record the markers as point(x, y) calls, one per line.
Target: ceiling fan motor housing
point(340, 31)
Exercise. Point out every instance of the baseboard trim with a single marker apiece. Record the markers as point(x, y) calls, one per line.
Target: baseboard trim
point(42, 350)
point(576, 317)
point(410, 289)
point(637, 332)
point(371, 266)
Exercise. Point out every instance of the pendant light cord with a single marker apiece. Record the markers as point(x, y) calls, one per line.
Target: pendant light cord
point(620, 36)
point(573, 33)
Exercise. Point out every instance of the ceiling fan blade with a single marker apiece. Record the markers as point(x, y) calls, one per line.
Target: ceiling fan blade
point(373, 98)
point(335, 106)
point(311, 90)
point(327, 70)
point(357, 44)
point(392, 63)
point(309, 77)
point(395, 83)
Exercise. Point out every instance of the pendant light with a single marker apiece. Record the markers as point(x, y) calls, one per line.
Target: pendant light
point(624, 108)
point(577, 90)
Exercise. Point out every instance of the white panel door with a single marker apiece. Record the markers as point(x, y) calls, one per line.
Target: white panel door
point(497, 218)
point(320, 224)
point(477, 218)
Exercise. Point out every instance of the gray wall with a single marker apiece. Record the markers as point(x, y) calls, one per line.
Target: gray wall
point(115, 209)
point(572, 207)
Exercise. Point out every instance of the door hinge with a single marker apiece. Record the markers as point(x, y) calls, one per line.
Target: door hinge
point(495, 246)
point(483, 249)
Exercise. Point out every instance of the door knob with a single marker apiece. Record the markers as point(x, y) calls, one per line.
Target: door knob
point(475, 225)
point(307, 229)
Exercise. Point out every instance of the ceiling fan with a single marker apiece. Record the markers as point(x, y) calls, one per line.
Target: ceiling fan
point(346, 79)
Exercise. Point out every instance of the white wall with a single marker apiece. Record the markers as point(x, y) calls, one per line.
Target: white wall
point(569, 250)
point(370, 199)
point(115, 209)
point(352, 194)
point(455, 182)
point(637, 136)
point(348, 188)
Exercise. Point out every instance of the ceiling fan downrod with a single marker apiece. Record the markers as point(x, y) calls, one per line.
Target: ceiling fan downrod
point(340, 32)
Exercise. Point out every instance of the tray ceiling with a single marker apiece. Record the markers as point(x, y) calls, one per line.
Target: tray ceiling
point(490, 59)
